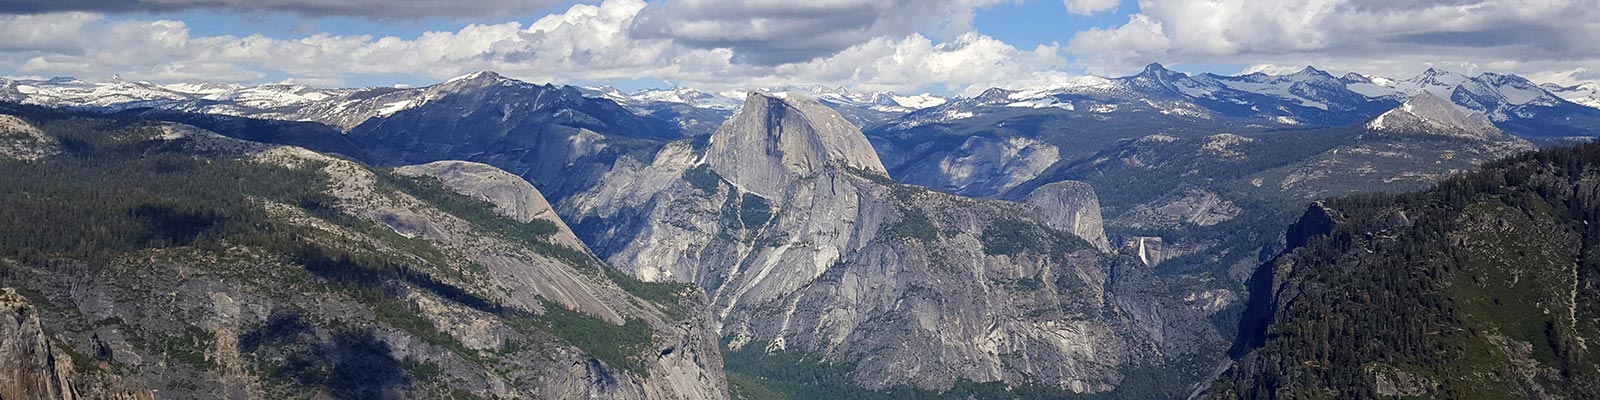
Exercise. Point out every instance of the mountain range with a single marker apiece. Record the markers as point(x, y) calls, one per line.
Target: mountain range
point(488, 237)
point(1308, 97)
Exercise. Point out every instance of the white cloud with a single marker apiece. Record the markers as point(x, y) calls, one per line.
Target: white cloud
point(1271, 69)
point(586, 43)
point(1382, 36)
point(1090, 7)
point(1566, 77)
point(968, 64)
point(1141, 41)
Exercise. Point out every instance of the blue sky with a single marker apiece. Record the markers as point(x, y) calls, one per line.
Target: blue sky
point(1034, 23)
point(900, 45)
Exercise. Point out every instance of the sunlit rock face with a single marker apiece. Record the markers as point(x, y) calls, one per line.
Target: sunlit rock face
point(805, 245)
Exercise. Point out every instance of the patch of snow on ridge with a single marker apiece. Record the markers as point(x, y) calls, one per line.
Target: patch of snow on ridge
point(955, 114)
point(1047, 102)
point(920, 101)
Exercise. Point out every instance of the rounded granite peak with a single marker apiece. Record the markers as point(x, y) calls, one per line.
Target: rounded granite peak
point(778, 138)
point(1427, 113)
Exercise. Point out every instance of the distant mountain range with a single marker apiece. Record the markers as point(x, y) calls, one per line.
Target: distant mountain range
point(1309, 97)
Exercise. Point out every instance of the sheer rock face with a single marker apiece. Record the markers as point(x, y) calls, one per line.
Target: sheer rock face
point(773, 141)
point(30, 368)
point(804, 246)
point(1430, 114)
point(1072, 207)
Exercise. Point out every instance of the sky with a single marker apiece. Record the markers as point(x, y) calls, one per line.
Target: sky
point(907, 46)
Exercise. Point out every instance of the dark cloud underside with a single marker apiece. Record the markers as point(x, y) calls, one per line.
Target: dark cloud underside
point(359, 8)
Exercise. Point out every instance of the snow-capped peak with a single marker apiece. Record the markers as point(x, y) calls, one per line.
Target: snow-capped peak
point(486, 76)
point(1438, 81)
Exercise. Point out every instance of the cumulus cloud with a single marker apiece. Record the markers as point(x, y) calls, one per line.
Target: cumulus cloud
point(364, 8)
point(1383, 36)
point(770, 32)
point(968, 64)
point(1090, 7)
point(1142, 40)
point(585, 43)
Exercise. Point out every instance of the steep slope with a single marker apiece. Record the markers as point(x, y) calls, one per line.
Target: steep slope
point(285, 273)
point(1482, 287)
point(809, 251)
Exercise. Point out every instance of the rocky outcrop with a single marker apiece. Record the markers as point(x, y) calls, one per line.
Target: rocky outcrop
point(1427, 113)
point(511, 195)
point(805, 247)
point(30, 365)
point(20, 140)
point(1193, 207)
point(1071, 207)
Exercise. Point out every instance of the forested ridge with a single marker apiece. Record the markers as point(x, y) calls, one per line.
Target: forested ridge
point(121, 212)
point(1481, 287)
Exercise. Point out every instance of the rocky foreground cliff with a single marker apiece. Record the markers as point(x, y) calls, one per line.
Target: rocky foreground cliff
point(807, 249)
point(154, 260)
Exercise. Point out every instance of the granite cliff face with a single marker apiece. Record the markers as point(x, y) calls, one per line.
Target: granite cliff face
point(30, 366)
point(805, 246)
point(1071, 207)
point(324, 278)
point(775, 141)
